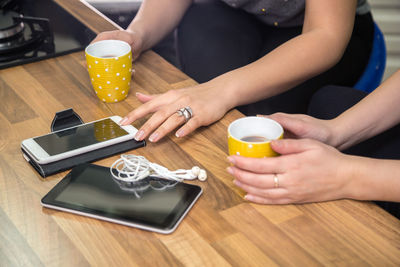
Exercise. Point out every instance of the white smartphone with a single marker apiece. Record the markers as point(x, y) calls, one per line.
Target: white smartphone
point(77, 140)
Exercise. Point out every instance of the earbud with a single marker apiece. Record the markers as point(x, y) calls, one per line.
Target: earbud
point(131, 168)
point(202, 175)
point(196, 170)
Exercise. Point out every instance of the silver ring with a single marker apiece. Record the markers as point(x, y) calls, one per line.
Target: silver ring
point(186, 112)
point(276, 181)
point(190, 111)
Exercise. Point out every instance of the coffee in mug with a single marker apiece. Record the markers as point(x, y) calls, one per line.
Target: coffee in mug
point(251, 137)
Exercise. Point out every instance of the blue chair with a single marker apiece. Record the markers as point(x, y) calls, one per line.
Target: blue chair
point(373, 74)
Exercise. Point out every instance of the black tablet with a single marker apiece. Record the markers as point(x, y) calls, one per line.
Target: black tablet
point(152, 204)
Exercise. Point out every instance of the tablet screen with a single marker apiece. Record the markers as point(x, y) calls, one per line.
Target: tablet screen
point(152, 204)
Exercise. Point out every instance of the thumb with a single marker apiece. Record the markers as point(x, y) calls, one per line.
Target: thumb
point(289, 122)
point(291, 146)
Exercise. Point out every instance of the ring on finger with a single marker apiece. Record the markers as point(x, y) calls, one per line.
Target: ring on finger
point(180, 112)
point(190, 111)
point(186, 112)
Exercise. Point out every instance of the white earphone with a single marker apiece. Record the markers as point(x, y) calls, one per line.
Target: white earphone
point(132, 168)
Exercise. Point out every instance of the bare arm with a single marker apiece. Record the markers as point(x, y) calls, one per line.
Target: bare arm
point(374, 179)
point(327, 29)
point(374, 114)
point(156, 18)
point(309, 171)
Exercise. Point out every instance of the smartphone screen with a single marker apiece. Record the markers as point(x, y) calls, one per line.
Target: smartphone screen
point(80, 136)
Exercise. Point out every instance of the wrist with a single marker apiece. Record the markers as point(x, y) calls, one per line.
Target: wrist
point(138, 34)
point(226, 90)
point(354, 170)
point(337, 137)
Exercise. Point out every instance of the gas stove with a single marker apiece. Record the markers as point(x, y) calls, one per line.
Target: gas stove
point(32, 30)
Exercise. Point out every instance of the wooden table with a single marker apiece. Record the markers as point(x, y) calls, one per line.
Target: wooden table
point(221, 230)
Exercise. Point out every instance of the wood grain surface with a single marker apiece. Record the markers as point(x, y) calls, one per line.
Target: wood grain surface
point(221, 230)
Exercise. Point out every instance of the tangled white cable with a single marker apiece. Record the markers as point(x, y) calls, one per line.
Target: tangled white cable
point(132, 168)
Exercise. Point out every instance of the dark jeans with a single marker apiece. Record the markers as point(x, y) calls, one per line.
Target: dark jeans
point(214, 38)
point(331, 101)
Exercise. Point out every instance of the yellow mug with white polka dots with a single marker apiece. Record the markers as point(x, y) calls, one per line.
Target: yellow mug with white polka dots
point(251, 137)
point(109, 63)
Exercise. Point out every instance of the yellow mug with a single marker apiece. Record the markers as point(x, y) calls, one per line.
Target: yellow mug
point(109, 63)
point(251, 137)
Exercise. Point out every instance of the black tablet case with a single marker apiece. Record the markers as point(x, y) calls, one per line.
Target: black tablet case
point(66, 119)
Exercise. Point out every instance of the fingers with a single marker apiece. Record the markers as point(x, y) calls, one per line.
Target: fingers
point(173, 122)
point(292, 146)
point(122, 35)
point(170, 124)
point(160, 117)
point(144, 97)
point(263, 181)
point(143, 110)
point(161, 102)
point(263, 200)
point(289, 122)
point(265, 196)
point(105, 36)
point(165, 117)
point(258, 165)
point(188, 127)
point(261, 188)
point(295, 125)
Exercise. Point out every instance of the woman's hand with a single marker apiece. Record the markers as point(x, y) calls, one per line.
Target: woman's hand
point(133, 38)
point(303, 126)
point(306, 171)
point(205, 100)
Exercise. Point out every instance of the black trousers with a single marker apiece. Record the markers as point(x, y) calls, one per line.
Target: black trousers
point(214, 38)
point(331, 101)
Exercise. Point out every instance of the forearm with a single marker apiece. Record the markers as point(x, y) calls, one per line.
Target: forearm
point(157, 18)
point(283, 68)
point(380, 182)
point(326, 32)
point(374, 114)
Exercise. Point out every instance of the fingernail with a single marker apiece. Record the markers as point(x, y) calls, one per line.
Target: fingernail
point(237, 183)
point(231, 160)
point(124, 120)
point(248, 197)
point(179, 133)
point(230, 170)
point(139, 135)
point(154, 137)
point(275, 143)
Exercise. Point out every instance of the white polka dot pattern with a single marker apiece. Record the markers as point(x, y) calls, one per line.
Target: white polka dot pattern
point(109, 75)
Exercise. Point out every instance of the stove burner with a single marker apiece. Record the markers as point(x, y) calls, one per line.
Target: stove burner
point(8, 26)
point(25, 37)
point(33, 30)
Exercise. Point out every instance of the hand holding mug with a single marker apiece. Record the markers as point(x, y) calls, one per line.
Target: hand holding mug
point(133, 38)
point(305, 171)
point(304, 126)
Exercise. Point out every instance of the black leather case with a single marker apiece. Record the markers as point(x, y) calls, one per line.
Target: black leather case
point(68, 118)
